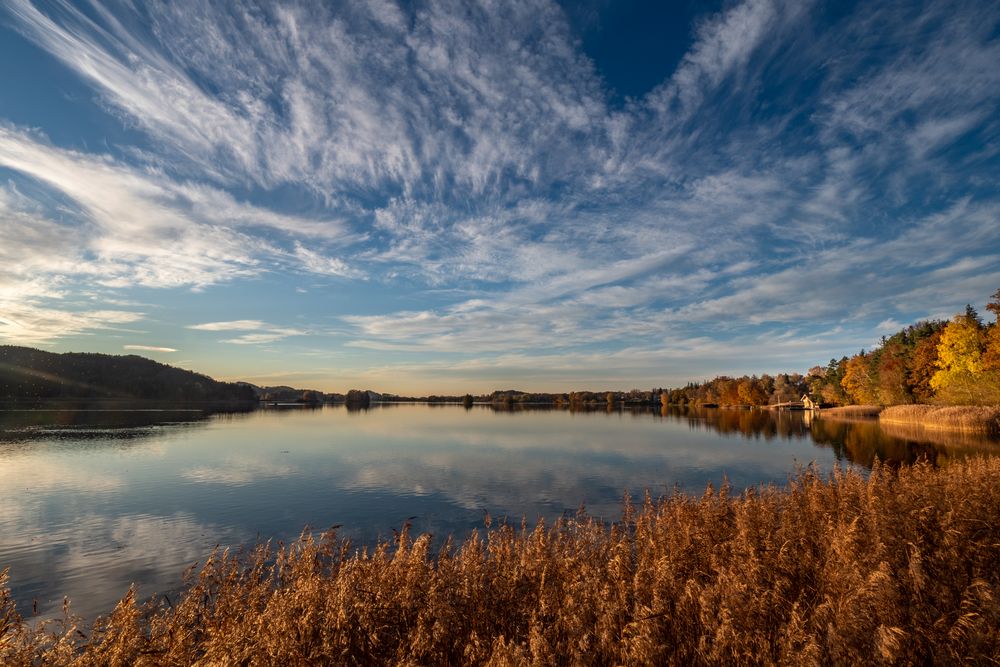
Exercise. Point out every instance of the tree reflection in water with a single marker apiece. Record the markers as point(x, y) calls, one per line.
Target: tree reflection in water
point(859, 441)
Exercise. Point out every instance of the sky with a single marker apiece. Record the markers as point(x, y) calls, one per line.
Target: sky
point(449, 196)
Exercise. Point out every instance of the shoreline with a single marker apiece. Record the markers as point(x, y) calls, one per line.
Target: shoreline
point(851, 411)
point(959, 418)
point(788, 574)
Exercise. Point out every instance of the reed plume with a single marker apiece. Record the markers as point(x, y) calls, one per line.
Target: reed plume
point(899, 567)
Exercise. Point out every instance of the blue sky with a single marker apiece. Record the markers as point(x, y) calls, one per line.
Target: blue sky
point(456, 196)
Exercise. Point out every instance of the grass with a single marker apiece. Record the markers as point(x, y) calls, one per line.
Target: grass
point(852, 411)
point(969, 418)
point(900, 567)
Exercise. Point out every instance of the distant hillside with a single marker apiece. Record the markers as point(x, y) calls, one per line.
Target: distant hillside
point(286, 394)
point(30, 374)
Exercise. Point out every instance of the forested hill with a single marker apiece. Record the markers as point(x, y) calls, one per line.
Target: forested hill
point(30, 374)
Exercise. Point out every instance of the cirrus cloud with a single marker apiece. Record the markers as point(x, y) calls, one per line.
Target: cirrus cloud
point(455, 184)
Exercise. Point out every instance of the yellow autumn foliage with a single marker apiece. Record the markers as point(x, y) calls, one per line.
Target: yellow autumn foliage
point(960, 353)
point(858, 381)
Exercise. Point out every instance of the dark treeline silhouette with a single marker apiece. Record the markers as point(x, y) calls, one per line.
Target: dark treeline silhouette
point(286, 394)
point(502, 398)
point(433, 398)
point(28, 374)
point(357, 398)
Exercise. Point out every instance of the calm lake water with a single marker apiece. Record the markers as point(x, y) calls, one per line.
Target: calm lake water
point(91, 501)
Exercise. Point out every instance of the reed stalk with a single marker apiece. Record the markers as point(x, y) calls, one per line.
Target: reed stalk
point(899, 567)
point(968, 418)
point(852, 411)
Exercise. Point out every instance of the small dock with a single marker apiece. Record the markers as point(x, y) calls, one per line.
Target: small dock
point(804, 403)
point(790, 405)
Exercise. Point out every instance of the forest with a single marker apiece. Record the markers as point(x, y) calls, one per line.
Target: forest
point(27, 374)
point(953, 362)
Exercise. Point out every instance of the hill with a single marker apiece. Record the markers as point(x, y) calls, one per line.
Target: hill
point(28, 374)
point(286, 394)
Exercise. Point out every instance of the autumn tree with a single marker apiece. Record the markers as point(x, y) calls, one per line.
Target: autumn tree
point(767, 384)
point(922, 367)
point(960, 359)
point(892, 381)
point(859, 380)
point(991, 353)
point(815, 379)
point(728, 390)
point(751, 391)
point(828, 389)
point(788, 387)
point(994, 305)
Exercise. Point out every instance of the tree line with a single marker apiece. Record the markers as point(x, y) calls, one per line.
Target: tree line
point(933, 361)
point(27, 374)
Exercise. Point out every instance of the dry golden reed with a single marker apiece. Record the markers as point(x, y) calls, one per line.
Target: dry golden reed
point(974, 418)
point(852, 411)
point(902, 567)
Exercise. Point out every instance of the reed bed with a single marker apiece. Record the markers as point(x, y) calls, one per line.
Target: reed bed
point(901, 567)
point(852, 411)
point(969, 418)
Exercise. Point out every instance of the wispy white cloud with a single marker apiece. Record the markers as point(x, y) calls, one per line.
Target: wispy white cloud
point(360, 100)
point(149, 348)
point(470, 156)
point(141, 227)
point(319, 264)
point(724, 46)
point(120, 226)
point(30, 321)
point(133, 76)
point(233, 325)
point(33, 306)
point(269, 336)
point(888, 325)
point(258, 332)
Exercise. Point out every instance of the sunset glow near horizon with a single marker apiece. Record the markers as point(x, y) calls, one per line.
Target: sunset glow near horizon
point(441, 197)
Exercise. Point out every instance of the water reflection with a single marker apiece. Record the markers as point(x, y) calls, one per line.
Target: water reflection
point(765, 424)
point(859, 441)
point(114, 420)
point(93, 501)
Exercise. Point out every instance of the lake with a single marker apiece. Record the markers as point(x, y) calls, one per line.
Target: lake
point(93, 500)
